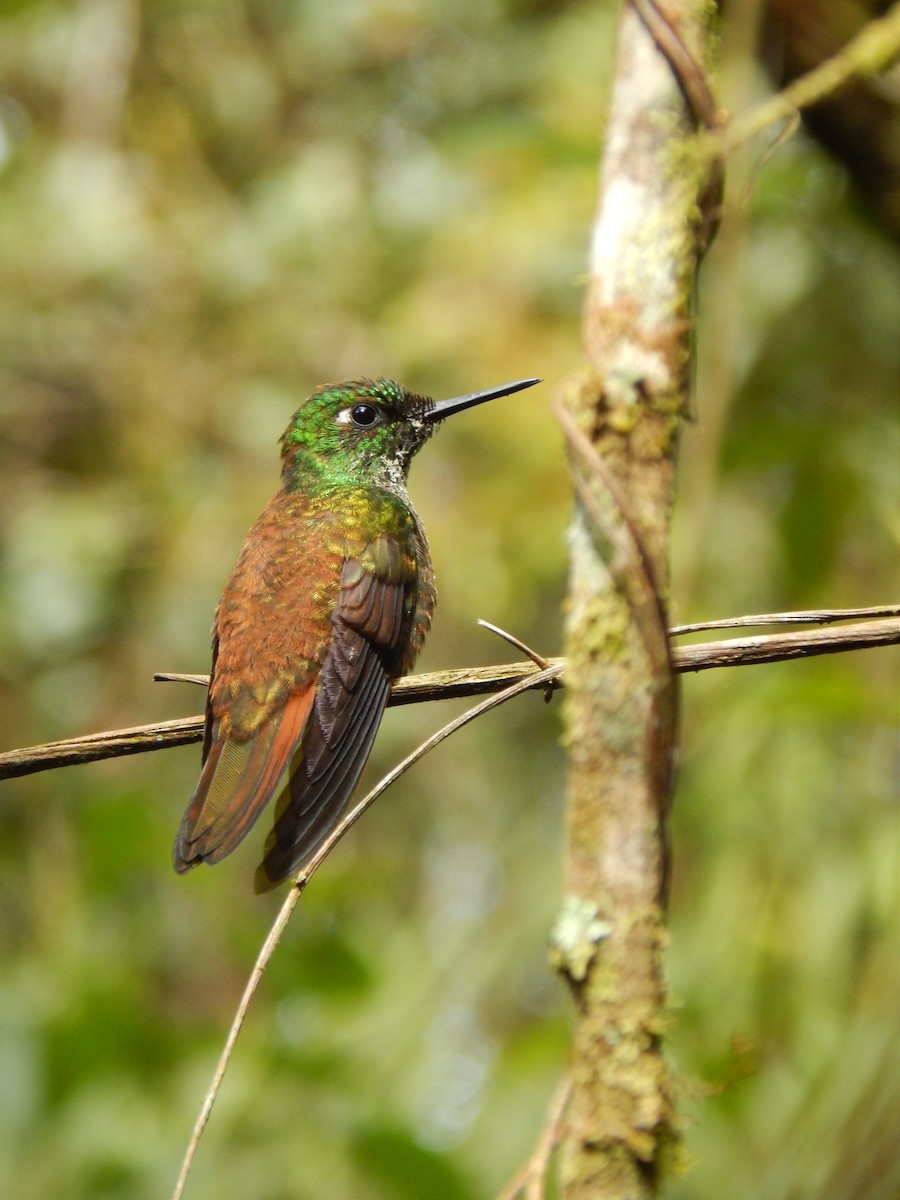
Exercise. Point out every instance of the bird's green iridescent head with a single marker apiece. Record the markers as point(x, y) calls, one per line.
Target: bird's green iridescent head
point(366, 431)
point(362, 431)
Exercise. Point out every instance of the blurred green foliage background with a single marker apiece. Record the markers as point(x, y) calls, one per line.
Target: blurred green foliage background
point(208, 208)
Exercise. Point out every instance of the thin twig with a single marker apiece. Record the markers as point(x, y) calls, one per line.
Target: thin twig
point(635, 574)
point(479, 681)
point(530, 1178)
point(814, 616)
point(691, 80)
point(266, 952)
point(701, 103)
point(780, 647)
point(538, 679)
point(537, 659)
point(870, 51)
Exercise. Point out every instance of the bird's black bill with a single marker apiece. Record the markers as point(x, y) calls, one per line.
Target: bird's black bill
point(445, 408)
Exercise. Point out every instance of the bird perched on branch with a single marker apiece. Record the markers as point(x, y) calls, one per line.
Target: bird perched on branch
point(329, 602)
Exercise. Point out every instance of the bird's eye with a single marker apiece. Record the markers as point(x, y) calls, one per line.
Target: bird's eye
point(360, 416)
point(364, 415)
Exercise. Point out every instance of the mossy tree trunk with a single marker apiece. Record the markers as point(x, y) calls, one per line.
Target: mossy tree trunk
point(622, 418)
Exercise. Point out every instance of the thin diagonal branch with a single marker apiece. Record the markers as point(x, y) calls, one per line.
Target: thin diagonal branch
point(692, 80)
point(873, 48)
point(539, 679)
point(618, 540)
point(538, 659)
point(529, 1179)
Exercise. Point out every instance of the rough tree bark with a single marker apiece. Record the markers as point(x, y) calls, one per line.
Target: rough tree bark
point(622, 418)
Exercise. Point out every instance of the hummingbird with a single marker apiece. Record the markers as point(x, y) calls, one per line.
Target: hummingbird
point(327, 605)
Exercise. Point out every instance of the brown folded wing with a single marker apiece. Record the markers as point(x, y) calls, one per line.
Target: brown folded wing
point(369, 625)
point(309, 635)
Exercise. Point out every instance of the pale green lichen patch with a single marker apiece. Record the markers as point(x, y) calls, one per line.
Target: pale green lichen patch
point(578, 931)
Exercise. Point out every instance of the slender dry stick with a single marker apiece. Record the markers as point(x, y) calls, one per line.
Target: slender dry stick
point(539, 679)
point(873, 48)
point(549, 1139)
point(781, 647)
point(530, 1177)
point(810, 616)
point(266, 952)
point(538, 659)
point(722, 307)
point(618, 541)
point(479, 681)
